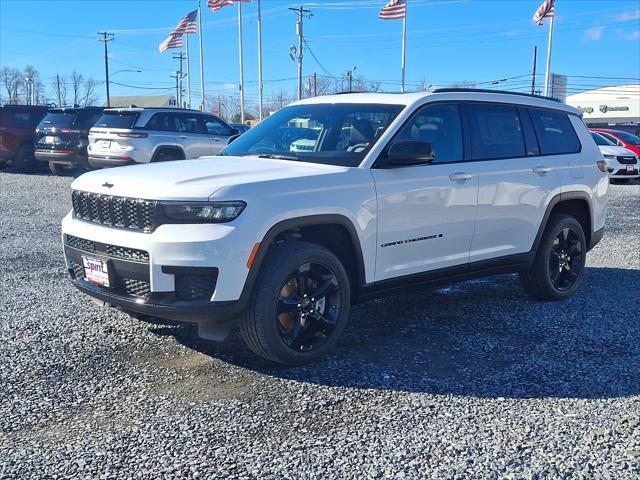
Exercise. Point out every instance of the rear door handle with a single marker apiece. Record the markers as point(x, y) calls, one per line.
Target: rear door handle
point(541, 169)
point(460, 177)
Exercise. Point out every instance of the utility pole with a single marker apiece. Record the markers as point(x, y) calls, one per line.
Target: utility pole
point(180, 57)
point(177, 77)
point(58, 86)
point(301, 13)
point(533, 71)
point(106, 38)
point(315, 84)
point(350, 78)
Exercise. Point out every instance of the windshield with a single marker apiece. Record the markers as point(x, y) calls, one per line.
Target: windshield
point(600, 140)
point(58, 119)
point(627, 137)
point(334, 134)
point(117, 119)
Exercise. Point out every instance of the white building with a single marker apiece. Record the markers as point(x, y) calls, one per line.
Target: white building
point(613, 107)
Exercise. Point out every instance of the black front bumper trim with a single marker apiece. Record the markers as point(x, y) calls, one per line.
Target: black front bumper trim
point(160, 305)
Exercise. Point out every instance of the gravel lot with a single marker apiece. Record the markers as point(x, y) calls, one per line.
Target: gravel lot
point(475, 380)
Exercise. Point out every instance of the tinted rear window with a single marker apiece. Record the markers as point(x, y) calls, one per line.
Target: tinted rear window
point(628, 138)
point(556, 135)
point(496, 132)
point(86, 118)
point(117, 120)
point(58, 119)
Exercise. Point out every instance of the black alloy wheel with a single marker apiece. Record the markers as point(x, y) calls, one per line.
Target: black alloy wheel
point(308, 307)
point(565, 259)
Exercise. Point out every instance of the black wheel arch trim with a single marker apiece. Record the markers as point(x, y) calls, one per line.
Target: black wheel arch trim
point(173, 148)
point(563, 197)
point(298, 222)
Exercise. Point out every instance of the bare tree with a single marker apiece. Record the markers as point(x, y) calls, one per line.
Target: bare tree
point(88, 92)
point(12, 81)
point(60, 83)
point(423, 85)
point(38, 87)
point(77, 80)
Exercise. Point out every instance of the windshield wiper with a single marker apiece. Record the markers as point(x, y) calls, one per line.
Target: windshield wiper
point(277, 157)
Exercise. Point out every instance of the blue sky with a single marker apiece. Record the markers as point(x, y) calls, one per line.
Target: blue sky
point(448, 41)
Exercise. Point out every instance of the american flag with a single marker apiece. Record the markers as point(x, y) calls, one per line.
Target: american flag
point(216, 5)
point(187, 24)
point(546, 10)
point(174, 40)
point(394, 10)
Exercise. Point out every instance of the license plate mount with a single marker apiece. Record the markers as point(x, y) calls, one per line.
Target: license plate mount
point(96, 271)
point(630, 168)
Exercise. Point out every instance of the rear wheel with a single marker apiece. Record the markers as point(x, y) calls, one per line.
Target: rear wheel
point(166, 156)
point(25, 160)
point(557, 269)
point(60, 170)
point(300, 304)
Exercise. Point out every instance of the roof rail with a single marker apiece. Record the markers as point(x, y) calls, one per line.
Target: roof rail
point(486, 90)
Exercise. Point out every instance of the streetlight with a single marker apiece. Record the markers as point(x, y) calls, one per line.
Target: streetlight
point(120, 71)
point(350, 76)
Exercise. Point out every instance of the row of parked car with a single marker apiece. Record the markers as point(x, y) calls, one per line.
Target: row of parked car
point(94, 137)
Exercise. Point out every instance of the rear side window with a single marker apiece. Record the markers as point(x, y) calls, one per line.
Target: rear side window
point(556, 135)
point(26, 118)
point(117, 120)
point(496, 132)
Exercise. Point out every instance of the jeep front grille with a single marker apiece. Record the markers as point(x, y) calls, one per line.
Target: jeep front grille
point(112, 251)
point(627, 160)
point(120, 212)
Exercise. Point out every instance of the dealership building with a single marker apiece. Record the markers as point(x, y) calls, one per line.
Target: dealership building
point(610, 107)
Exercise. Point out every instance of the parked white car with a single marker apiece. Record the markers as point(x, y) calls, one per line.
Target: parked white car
point(400, 190)
point(124, 136)
point(622, 164)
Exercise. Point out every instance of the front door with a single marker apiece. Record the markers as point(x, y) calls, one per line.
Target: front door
point(192, 135)
point(219, 133)
point(426, 213)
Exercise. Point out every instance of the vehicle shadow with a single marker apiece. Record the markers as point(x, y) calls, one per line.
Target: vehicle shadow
point(482, 338)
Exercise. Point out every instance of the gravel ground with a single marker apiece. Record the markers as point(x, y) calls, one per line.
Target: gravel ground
point(475, 380)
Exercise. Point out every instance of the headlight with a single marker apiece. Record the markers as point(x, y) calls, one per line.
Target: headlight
point(200, 212)
point(610, 157)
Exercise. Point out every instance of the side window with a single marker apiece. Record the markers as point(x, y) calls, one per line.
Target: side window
point(496, 132)
point(190, 123)
point(555, 132)
point(22, 118)
point(440, 126)
point(611, 138)
point(163, 122)
point(216, 127)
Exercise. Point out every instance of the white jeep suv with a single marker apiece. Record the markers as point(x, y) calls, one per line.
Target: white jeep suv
point(399, 190)
point(123, 136)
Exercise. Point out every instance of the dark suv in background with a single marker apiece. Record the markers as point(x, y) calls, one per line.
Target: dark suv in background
point(62, 138)
point(17, 134)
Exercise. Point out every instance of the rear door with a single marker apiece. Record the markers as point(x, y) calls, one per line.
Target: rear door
point(192, 135)
point(219, 133)
point(426, 213)
point(515, 181)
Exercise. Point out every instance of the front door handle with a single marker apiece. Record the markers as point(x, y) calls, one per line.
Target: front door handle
point(460, 177)
point(541, 169)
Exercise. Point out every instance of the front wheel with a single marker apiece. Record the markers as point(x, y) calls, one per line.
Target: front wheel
point(300, 304)
point(559, 264)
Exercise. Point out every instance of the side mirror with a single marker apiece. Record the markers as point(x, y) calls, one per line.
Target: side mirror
point(409, 152)
point(232, 138)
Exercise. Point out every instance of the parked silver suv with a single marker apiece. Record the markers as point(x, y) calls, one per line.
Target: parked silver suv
point(135, 135)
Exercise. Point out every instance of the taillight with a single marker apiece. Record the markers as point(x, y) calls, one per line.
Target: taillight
point(133, 135)
point(602, 165)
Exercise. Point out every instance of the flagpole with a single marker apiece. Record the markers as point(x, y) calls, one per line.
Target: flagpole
point(259, 60)
point(186, 38)
point(241, 63)
point(201, 58)
point(547, 73)
point(404, 46)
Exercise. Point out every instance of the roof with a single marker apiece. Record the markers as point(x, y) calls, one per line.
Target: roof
point(618, 92)
point(447, 94)
point(143, 101)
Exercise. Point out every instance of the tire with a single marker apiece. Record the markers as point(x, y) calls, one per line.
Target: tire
point(165, 156)
point(304, 331)
point(60, 170)
point(25, 161)
point(557, 269)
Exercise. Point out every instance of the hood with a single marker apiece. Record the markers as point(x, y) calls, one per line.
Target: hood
point(615, 150)
point(193, 179)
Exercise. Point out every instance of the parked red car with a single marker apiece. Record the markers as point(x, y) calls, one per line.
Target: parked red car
point(18, 134)
point(620, 138)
